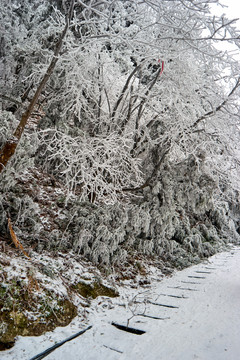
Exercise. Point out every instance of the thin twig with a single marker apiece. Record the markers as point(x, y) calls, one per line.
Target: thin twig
point(219, 107)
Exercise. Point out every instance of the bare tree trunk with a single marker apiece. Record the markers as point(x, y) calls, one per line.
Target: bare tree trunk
point(10, 146)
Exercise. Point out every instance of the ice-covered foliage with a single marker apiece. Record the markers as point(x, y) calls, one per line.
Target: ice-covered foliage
point(96, 167)
point(137, 131)
point(23, 159)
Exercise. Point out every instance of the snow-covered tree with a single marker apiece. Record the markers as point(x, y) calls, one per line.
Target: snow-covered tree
point(139, 112)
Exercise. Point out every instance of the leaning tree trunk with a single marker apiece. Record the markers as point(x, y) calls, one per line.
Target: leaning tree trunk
point(9, 148)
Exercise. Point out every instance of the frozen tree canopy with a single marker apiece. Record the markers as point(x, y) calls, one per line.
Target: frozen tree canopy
point(125, 120)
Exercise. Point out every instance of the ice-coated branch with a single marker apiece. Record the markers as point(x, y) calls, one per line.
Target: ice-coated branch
point(219, 107)
point(135, 70)
point(9, 148)
point(147, 182)
point(96, 168)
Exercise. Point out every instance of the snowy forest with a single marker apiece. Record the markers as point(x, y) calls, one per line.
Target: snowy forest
point(119, 131)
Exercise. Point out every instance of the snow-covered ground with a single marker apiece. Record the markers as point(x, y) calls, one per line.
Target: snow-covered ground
point(201, 322)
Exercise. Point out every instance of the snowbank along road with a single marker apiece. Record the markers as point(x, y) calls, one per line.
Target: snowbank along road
point(195, 314)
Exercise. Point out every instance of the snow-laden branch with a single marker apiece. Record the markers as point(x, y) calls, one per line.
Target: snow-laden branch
point(95, 168)
point(219, 107)
point(8, 150)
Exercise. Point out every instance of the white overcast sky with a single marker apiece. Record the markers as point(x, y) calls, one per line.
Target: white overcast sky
point(232, 11)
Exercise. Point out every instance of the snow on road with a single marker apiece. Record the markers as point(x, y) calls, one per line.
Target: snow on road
point(195, 314)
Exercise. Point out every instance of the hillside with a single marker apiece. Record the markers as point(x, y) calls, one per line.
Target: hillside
point(119, 150)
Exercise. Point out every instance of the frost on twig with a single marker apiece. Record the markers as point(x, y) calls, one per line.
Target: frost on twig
point(96, 167)
point(9, 148)
point(138, 304)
